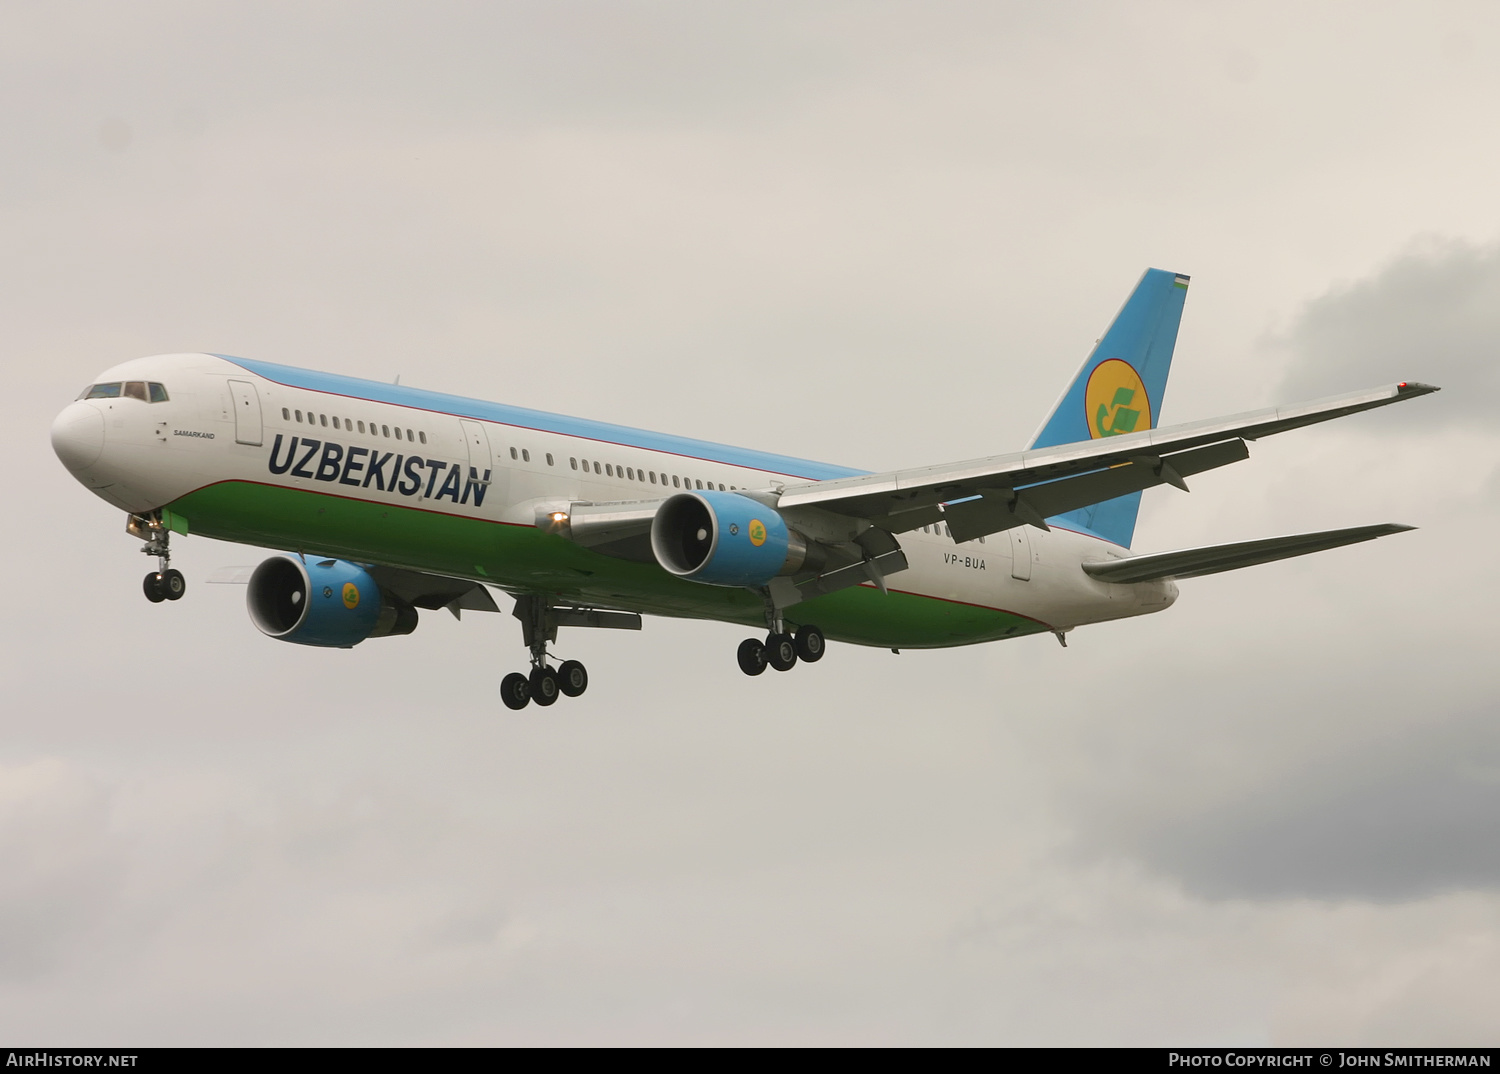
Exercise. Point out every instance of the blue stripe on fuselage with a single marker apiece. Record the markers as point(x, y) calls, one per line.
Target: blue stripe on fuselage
point(462, 407)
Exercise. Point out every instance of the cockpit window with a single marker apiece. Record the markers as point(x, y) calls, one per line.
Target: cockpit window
point(132, 389)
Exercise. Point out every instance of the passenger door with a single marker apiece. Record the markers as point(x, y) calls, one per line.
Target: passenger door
point(247, 424)
point(482, 468)
point(1020, 552)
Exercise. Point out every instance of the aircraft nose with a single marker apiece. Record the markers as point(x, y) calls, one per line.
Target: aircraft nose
point(78, 436)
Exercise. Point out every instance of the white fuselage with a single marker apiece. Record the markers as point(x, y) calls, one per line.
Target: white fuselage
point(143, 456)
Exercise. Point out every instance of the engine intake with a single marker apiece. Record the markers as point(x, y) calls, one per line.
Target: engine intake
point(325, 602)
point(723, 538)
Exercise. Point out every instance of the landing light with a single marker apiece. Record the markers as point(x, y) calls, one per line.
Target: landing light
point(559, 516)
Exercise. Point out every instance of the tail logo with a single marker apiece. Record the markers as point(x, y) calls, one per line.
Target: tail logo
point(1115, 400)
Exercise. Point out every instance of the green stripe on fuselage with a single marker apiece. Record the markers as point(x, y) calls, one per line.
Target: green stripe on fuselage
point(523, 559)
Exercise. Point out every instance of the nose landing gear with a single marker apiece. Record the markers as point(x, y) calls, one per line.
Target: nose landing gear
point(164, 583)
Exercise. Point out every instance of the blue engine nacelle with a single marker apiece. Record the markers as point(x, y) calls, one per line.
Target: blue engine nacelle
point(323, 602)
point(723, 538)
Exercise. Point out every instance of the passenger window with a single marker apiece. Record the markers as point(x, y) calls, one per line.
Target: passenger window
point(630, 472)
point(158, 392)
point(573, 461)
point(653, 477)
point(513, 454)
point(361, 426)
point(385, 430)
point(299, 415)
point(335, 422)
point(525, 455)
point(609, 469)
point(104, 391)
point(286, 415)
point(323, 420)
point(549, 458)
point(700, 482)
point(422, 437)
point(135, 389)
point(596, 466)
point(410, 437)
point(674, 481)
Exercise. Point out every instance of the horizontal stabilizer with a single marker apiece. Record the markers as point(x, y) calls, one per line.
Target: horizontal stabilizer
point(1192, 562)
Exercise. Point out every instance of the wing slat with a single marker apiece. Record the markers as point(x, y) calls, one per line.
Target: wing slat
point(878, 497)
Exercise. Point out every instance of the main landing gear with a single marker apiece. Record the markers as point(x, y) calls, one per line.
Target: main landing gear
point(164, 583)
point(781, 650)
point(545, 684)
point(539, 623)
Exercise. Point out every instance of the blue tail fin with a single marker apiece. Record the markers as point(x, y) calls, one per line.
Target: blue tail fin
point(1120, 390)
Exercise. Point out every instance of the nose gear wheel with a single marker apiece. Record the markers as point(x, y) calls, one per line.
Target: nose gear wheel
point(164, 583)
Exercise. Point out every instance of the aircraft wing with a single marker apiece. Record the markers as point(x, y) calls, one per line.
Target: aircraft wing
point(1196, 562)
point(433, 591)
point(1025, 487)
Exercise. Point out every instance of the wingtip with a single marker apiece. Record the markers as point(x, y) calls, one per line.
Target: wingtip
point(1416, 387)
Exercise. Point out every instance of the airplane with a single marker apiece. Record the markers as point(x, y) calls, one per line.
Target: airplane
point(386, 500)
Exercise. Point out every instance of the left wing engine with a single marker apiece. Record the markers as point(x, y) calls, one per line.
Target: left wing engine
point(734, 539)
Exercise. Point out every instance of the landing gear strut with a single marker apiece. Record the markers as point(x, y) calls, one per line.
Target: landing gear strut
point(539, 623)
point(164, 583)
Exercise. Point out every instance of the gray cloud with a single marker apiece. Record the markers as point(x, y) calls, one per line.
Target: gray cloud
point(1432, 314)
point(61, 875)
point(1401, 818)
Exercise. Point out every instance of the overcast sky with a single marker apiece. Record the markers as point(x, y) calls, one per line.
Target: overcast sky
point(879, 234)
